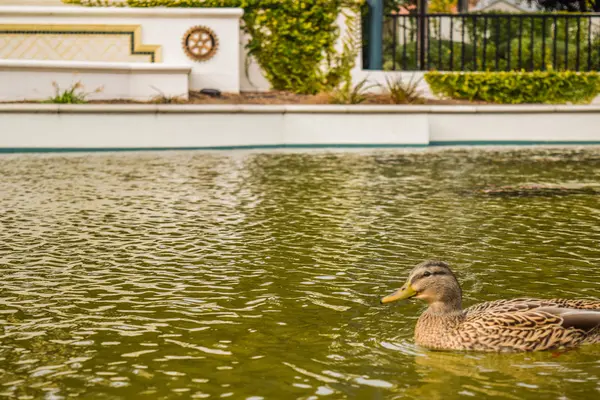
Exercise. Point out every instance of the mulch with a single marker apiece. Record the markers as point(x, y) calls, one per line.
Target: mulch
point(273, 98)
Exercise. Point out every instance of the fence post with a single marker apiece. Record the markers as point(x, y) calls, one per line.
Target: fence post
point(375, 34)
point(463, 6)
point(422, 23)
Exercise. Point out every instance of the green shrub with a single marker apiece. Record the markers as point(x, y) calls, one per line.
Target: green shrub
point(292, 40)
point(545, 54)
point(445, 55)
point(502, 30)
point(549, 87)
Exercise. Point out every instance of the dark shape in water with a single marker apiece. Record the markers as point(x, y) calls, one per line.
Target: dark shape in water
point(538, 191)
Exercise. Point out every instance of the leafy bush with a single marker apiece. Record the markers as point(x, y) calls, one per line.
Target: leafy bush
point(509, 25)
point(292, 40)
point(443, 55)
point(545, 54)
point(502, 34)
point(549, 87)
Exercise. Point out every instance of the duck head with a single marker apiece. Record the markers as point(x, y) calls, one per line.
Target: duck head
point(431, 281)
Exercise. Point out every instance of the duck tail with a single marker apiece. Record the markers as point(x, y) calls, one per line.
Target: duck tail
point(594, 336)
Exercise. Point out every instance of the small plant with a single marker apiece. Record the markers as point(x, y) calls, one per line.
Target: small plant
point(349, 94)
point(402, 92)
point(162, 98)
point(72, 95)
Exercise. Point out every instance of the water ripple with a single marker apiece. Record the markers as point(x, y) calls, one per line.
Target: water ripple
point(257, 275)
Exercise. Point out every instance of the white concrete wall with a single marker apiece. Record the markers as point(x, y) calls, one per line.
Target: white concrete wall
point(35, 80)
point(564, 124)
point(160, 26)
point(252, 77)
point(49, 126)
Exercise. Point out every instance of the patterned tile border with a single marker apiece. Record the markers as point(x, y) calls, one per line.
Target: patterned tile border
point(134, 32)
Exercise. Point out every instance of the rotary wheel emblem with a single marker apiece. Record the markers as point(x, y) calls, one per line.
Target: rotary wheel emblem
point(200, 43)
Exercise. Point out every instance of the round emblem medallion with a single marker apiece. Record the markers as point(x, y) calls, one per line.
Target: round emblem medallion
point(200, 43)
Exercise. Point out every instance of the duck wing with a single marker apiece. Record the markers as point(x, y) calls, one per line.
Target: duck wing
point(524, 304)
point(523, 326)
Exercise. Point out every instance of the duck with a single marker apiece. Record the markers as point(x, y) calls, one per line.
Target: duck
point(512, 325)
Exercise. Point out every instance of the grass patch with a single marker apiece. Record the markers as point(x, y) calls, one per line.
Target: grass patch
point(73, 95)
point(351, 94)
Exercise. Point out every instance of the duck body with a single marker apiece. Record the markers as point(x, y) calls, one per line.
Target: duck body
point(516, 325)
point(512, 325)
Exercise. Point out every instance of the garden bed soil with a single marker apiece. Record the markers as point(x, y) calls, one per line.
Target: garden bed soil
point(274, 98)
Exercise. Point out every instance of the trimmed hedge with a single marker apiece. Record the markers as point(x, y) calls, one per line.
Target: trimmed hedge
point(547, 87)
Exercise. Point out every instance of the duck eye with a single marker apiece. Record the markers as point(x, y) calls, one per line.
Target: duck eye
point(426, 274)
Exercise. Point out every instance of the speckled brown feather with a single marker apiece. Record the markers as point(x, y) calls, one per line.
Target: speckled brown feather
point(522, 324)
point(522, 304)
point(508, 325)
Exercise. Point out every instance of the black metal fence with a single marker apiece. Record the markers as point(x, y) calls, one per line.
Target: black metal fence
point(492, 42)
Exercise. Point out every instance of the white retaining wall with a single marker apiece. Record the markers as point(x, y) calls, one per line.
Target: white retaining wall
point(51, 126)
point(27, 127)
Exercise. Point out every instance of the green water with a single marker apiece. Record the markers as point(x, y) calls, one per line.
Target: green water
point(249, 275)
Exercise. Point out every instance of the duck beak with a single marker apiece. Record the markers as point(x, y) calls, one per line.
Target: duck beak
point(405, 292)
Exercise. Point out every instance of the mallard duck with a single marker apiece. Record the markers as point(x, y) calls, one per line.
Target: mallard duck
point(503, 325)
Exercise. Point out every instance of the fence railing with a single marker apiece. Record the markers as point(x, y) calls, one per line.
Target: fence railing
point(494, 42)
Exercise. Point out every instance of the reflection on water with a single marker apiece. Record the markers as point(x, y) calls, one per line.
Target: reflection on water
point(257, 275)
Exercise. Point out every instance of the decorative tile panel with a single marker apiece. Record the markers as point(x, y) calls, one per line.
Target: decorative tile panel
point(110, 43)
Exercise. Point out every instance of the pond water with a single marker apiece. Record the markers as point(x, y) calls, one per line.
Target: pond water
point(251, 275)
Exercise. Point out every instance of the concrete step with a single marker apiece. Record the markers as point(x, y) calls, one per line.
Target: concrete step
point(40, 80)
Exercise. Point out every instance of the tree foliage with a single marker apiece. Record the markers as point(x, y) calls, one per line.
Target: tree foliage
point(568, 5)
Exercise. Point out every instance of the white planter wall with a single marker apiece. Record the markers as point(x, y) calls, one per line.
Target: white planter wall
point(40, 80)
point(164, 27)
